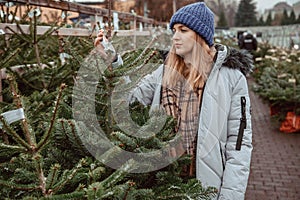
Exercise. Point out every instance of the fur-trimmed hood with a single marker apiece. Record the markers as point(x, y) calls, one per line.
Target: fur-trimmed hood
point(237, 59)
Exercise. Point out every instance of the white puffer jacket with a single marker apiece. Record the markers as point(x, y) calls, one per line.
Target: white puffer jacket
point(218, 163)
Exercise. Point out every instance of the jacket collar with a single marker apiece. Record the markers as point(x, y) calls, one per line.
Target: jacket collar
point(234, 58)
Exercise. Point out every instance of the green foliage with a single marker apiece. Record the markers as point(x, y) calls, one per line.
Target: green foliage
point(43, 156)
point(189, 189)
point(277, 79)
point(246, 14)
point(298, 19)
point(261, 21)
point(292, 18)
point(222, 20)
point(269, 19)
point(285, 18)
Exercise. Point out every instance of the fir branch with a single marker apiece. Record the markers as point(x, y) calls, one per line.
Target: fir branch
point(66, 132)
point(116, 192)
point(23, 36)
point(4, 137)
point(38, 163)
point(28, 135)
point(119, 174)
point(14, 134)
point(9, 57)
point(14, 14)
point(14, 91)
point(75, 136)
point(110, 154)
point(46, 136)
point(6, 149)
point(145, 194)
point(48, 33)
point(52, 176)
point(24, 187)
point(103, 189)
point(141, 75)
point(35, 43)
point(87, 98)
point(128, 141)
point(24, 80)
point(68, 178)
point(144, 51)
point(203, 196)
point(154, 53)
point(96, 173)
point(133, 68)
point(74, 195)
point(190, 190)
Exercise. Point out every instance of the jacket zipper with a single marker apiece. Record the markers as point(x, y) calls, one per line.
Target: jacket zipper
point(222, 156)
point(243, 124)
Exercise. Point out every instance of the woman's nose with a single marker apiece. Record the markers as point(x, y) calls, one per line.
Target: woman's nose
point(176, 36)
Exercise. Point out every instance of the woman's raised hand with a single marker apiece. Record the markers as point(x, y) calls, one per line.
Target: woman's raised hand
point(99, 45)
point(100, 37)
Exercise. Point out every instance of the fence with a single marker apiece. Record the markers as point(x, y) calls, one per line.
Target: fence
point(84, 9)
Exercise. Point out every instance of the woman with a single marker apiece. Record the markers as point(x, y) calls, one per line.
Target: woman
point(204, 87)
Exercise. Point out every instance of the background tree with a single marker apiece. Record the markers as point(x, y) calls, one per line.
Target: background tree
point(222, 20)
point(292, 18)
point(246, 13)
point(230, 13)
point(269, 20)
point(298, 19)
point(285, 18)
point(261, 21)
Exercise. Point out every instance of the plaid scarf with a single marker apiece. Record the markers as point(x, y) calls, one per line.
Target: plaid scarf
point(183, 103)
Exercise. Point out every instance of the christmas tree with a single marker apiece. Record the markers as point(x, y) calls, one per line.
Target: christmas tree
point(74, 124)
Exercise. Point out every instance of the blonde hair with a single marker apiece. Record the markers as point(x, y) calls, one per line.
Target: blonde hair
point(196, 72)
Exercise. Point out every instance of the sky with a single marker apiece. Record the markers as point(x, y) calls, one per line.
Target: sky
point(267, 4)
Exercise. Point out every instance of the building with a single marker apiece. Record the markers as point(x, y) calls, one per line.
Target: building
point(278, 10)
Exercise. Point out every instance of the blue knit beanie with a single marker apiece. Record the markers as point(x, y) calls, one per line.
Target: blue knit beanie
point(199, 18)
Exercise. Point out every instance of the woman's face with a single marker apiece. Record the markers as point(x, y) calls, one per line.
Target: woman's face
point(183, 40)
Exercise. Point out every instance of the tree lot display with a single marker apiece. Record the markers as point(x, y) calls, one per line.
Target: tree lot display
point(277, 76)
point(43, 156)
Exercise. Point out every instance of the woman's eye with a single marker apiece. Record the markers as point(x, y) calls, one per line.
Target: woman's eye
point(180, 30)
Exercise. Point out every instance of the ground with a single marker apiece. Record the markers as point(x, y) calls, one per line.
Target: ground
point(275, 165)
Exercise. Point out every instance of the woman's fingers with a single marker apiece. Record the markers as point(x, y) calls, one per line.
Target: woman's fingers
point(101, 33)
point(99, 38)
point(97, 41)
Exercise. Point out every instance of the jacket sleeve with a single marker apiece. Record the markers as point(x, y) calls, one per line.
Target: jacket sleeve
point(117, 62)
point(237, 165)
point(146, 88)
